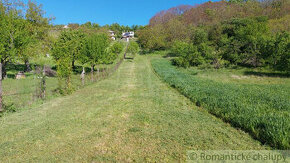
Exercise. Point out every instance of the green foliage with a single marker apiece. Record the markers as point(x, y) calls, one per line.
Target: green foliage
point(133, 48)
point(256, 109)
point(112, 52)
point(117, 48)
point(20, 33)
point(95, 50)
point(11, 26)
point(247, 37)
point(188, 54)
point(278, 51)
point(244, 41)
point(235, 32)
point(180, 48)
point(191, 55)
point(65, 50)
point(200, 36)
point(152, 38)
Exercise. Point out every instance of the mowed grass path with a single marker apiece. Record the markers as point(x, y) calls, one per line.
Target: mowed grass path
point(132, 116)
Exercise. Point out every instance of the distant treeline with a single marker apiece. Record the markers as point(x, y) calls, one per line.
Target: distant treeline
point(216, 34)
point(117, 28)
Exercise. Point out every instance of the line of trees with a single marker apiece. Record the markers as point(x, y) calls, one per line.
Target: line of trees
point(216, 34)
point(117, 28)
point(25, 34)
point(87, 49)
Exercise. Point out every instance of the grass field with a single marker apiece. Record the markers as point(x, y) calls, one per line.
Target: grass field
point(131, 116)
point(259, 108)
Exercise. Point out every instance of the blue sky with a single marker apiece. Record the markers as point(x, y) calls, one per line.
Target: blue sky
point(125, 12)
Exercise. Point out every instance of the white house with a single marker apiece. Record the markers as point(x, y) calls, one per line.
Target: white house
point(128, 35)
point(65, 27)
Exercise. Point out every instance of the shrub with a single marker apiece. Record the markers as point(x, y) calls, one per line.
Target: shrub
point(133, 48)
point(281, 52)
point(191, 55)
point(117, 48)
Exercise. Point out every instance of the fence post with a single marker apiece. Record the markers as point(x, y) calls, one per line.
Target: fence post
point(92, 73)
point(43, 83)
point(83, 76)
point(1, 105)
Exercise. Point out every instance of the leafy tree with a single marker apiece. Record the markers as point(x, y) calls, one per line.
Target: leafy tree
point(87, 25)
point(117, 48)
point(9, 30)
point(152, 38)
point(37, 29)
point(247, 37)
point(199, 36)
point(65, 51)
point(176, 30)
point(282, 52)
point(188, 54)
point(277, 51)
point(16, 35)
point(94, 50)
point(180, 48)
point(26, 43)
point(76, 39)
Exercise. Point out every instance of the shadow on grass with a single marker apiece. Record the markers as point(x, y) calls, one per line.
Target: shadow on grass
point(129, 58)
point(169, 55)
point(268, 74)
point(145, 52)
point(15, 67)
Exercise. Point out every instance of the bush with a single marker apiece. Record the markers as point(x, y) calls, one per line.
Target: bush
point(281, 53)
point(200, 36)
point(191, 55)
point(243, 41)
point(133, 48)
point(180, 48)
point(117, 48)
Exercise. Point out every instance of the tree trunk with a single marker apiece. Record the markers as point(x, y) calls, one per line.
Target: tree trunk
point(73, 64)
point(68, 84)
point(1, 108)
point(43, 84)
point(27, 64)
point(92, 73)
point(83, 76)
point(4, 73)
point(98, 72)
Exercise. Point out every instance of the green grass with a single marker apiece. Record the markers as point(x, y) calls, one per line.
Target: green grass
point(241, 75)
point(262, 110)
point(131, 116)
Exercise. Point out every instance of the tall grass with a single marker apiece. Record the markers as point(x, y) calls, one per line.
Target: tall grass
point(261, 110)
